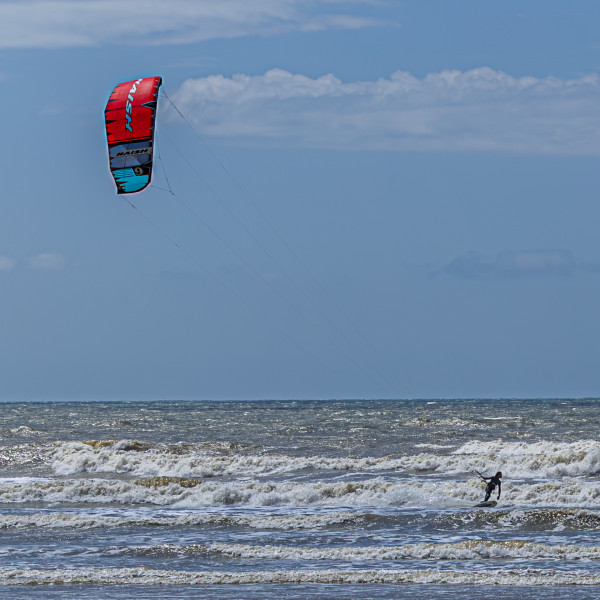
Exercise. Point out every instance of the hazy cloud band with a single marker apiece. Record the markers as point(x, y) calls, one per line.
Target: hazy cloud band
point(516, 264)
point(45, 261)
point(75, 23)
point(477, 110)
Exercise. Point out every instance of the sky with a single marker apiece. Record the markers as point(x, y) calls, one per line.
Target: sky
point(350, 199)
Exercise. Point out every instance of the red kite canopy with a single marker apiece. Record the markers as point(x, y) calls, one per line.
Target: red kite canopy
point(130, 114)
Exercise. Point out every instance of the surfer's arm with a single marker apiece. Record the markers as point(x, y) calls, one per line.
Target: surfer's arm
point(481, 476)
point(499, 489)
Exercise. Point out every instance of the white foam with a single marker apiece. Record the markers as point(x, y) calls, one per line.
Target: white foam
point(464, 550)
point(557, 519)
point(91, 521)
point(540, 459)
point(24, 430)
point(145, 576)
point(434, 446)
point(374, 491)
point(516, 459)
point(197, 460)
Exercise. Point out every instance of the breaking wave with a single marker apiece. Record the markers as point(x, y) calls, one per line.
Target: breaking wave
point(260, 522)
point(145, 576)
point(531, 520)
point(465, 550)
point(516, 459)
point(369, 491)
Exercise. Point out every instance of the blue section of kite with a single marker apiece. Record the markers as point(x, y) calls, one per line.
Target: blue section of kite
point(128, 181)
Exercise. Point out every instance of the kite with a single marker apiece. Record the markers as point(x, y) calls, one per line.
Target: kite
point(130, 114)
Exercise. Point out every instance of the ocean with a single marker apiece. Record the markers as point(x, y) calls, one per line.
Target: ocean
point(299, 499)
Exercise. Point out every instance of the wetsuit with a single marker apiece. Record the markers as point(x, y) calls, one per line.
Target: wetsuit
point(491, 486)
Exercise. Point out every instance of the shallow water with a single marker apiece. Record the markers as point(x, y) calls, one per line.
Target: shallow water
point(345, 499)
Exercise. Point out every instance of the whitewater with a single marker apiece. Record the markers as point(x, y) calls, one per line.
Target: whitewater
point(299, 499)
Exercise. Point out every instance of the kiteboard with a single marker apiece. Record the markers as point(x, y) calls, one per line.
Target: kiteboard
point(488, 504)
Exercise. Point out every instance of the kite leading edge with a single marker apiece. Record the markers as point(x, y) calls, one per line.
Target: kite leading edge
point(130, 114)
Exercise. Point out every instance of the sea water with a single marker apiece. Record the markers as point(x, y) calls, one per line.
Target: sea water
point(327, 499)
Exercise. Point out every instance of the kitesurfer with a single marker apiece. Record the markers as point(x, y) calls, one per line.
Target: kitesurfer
point(491, 486)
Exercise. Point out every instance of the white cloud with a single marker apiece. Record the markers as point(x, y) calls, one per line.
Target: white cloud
point(477, 110)
point(6, 264)
point(48, 261)
point(517, 264)
point(67, 23)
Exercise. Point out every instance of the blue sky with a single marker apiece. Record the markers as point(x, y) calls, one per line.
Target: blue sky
point(371, 198)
